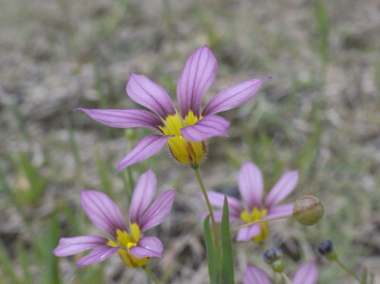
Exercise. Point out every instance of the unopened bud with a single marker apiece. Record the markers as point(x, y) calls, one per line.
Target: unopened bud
point(272, 255)
point(325, 248)
point(308, 210)
point(278, 265)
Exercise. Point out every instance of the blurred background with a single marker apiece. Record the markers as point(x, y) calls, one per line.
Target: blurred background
point(320, 114)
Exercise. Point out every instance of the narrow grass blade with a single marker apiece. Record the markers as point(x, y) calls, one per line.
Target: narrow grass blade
point(48, 262)
point(73, 144)
point(212, 254)
point(72, 219)
point(322, 29)
point(309, 151)
point(7, 266)
point(227, 264)
point(104, 174)
point(364, 275)
point(25, 262)
point(35, 183)
point(22, 125)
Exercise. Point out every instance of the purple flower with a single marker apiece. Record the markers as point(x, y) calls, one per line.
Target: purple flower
point(134, 249)
point(306, 274)
point(254, 206)
point(185, 130)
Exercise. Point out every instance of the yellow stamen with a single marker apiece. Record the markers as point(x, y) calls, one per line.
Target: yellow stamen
point(128, 241)
point(255, 215)
point(183, 150)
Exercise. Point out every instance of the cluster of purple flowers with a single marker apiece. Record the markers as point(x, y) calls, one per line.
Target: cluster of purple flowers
point(185, 131)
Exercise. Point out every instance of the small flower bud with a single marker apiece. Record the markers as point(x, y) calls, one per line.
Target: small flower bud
point(272, 255)
point(325, 248)
point(278, 265)
point(308, 210)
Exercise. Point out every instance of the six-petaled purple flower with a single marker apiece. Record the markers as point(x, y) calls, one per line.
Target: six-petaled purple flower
point(185, 130)
point(254, 207)
point(306, 274)
point(133, 248)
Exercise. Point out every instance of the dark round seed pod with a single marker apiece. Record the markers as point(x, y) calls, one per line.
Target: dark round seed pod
point(271, 255)
point(325, 247)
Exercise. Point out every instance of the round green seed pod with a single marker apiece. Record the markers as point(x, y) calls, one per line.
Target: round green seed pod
point(278, 265)
point(308, 210)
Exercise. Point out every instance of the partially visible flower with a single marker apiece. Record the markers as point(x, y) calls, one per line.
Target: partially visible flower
point(255, 207)
point(306, 274)
point(185, 130)
point(132, 247)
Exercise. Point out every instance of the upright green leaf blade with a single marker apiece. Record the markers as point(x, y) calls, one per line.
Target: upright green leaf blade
point(227, 263)
point(212, 254)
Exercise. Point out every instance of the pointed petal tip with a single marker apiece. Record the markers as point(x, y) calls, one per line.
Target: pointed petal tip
point(146, 148)
point(284, 186)
point(142, 196)
point(119, 169)
point(158, 211)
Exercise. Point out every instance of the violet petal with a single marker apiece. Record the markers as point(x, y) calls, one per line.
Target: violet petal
point(147, 247)
point(285, 185)
point(97, 255)
point(124, 118)
point(150, 95)
point(217, 200)
point(251, 185)
point(102, 211)
point(306, 274)
point(147, 147)
point(142, 195)
point(232, 97)
point(207, 127)
point(247, 233)
point(196, 77)
point(158, 211)
point(70, 246)
point(255, 275)
point(280, 210)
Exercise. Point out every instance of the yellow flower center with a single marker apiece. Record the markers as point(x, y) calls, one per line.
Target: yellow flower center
point(128, 241)
point(183, 150)
point(255, 215)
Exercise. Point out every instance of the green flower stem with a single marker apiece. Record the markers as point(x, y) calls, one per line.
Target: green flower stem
point(261, 221)
point(151, 277)
point(347, 270)
point(208, 206)
point(287, 280)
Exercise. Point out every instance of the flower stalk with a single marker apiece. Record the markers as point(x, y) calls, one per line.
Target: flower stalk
point(326, 249)
point(149, 273)
point(287, 280)
point(347, 270)
point(261, 221)
point(199, 178)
